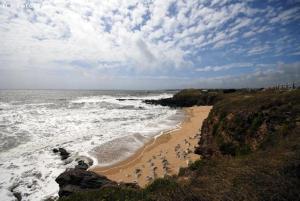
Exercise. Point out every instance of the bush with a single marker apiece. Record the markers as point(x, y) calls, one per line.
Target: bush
point(228, 149)
point(197, 165)
point(256, 123)
point(162, 183)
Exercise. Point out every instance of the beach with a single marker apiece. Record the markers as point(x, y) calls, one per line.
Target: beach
point(163, 155)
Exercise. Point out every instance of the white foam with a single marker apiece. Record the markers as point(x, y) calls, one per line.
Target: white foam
point(95, 121)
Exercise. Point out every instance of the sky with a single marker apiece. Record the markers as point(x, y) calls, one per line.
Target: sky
point(148, 44)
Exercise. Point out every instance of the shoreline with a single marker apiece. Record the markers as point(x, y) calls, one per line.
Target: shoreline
point(137, 153)
point(163, 155)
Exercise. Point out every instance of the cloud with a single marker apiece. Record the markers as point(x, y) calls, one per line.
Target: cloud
point(223, 67)
point(286, 16)
point(258, 50)
point(140, 38)
point(149, 57)
point(262, 77)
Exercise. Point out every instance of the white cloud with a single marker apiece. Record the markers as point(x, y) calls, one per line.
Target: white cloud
point(125, 35)
point(286, 16)
point(224, 67)
point(262, 77)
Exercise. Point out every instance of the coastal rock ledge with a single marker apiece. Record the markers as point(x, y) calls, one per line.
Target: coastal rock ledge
point(77, 180)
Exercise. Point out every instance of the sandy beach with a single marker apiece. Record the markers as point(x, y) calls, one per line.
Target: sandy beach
point(163, 155)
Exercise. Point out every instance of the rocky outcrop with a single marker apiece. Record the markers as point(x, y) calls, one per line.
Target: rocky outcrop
point(77, 180)
point(207, 148)
point(188, 98)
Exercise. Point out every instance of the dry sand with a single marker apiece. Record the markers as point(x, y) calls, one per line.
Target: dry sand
point(164, 155)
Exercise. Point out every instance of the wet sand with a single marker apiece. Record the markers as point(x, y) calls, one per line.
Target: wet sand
point(163, 155)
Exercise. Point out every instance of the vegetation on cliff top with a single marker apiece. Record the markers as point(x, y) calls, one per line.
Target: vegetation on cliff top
point(244, 122)
point(251, 148)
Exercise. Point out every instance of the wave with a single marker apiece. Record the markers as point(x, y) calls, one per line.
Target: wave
point(91, 126)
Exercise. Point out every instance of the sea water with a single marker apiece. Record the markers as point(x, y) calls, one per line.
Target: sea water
point(106, 126)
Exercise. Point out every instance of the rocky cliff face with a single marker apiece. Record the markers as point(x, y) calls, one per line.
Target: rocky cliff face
point(243, 123)
point(188, 98)
point(77, 180)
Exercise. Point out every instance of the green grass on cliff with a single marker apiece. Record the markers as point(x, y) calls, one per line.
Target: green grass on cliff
point(258, 136)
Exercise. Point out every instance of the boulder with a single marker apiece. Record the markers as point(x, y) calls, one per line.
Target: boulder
point(85, 159)
point(76, 180)
point(55, 150)
point(63, 153)
point(82, 165)
point(18, 196)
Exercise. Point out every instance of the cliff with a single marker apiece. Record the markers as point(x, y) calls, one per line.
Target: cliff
point(188, 98)
point(246, 122)
point(250, 148)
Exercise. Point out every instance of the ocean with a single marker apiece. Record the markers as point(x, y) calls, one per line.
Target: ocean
point(106, 126)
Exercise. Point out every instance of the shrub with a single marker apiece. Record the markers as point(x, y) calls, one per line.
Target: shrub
point(197, 165)
point(162, 183)
point(228, 149)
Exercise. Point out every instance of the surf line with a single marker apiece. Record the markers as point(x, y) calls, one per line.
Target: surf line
point(178, 127)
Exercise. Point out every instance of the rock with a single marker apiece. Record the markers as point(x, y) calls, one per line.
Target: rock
point(63, 153)
point(124, 99)
point(188, 98)
point(82, 165)
point(18, 196)
point(76, 180)
point(55, 150)
point(86, 160)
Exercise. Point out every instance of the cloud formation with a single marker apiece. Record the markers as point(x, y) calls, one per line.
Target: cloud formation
point(224, 67)
point(100, 44)
point(280, 74)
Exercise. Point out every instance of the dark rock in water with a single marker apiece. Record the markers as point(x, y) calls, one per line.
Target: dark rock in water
point(62, 152)
point(76, 180)
point(18, 196)
point(124, 99)
point(55, 150)
point(86, 160)
point(82, 165)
